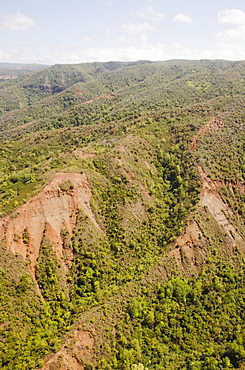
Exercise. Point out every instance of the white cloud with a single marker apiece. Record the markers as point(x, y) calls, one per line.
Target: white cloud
point(231, 50)
point(144, 50)
point(17, 22)
point(149, 13)
point(110, 3)
point(183, 18)
point(123, 40)
point(108, 33)
point(144, 38)
point(234, 35)
point(231, 42)
point(137, 27)
point(85, 38)
point(3, 55)
point(155, 52)
point(231, 16)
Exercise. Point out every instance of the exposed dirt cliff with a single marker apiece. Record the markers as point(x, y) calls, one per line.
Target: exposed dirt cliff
point(82, 345)
point(51, 211)
point(191, 245)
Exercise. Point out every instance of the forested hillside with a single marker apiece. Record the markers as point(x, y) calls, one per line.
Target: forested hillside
point(9, 71)
point(122, 210)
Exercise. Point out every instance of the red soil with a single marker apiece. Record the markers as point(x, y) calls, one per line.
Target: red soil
point(214, 125)
point(52, 210)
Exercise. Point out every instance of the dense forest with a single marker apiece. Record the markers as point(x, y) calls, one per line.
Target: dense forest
point(122, 216)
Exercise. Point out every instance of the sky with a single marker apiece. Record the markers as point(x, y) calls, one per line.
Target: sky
point(75, 31)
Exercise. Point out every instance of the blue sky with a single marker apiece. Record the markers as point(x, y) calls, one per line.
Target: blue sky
point(75, 31)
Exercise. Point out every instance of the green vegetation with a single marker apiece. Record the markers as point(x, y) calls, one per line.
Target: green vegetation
point(129, 128)
point(187, 324)
point(10, 71)
point(27, 330)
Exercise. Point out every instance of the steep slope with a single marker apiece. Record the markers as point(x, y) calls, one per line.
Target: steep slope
point(122, 230)
point(48, 213)
point(212, 234)
point(80, 258)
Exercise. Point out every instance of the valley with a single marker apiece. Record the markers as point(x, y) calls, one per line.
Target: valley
point(122, 217)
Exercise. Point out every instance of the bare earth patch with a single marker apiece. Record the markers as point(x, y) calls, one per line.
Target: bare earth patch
point(210, 199)
point(77, 351)
point(221, 212)
point(83, 154)
point(50, 211)
point(214, 125)
point(104, 96)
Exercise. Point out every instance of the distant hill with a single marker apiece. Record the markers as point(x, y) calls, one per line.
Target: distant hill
point(30, 67)
point(32, 87)
point(135, 86)
point(10, 71)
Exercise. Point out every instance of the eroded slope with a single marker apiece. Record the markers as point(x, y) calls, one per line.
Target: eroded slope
point(50, 212)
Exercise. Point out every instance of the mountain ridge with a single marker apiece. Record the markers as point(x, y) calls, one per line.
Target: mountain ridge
point(135, 177)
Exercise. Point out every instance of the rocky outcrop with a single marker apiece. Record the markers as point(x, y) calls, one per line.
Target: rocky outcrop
point(49, 212)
